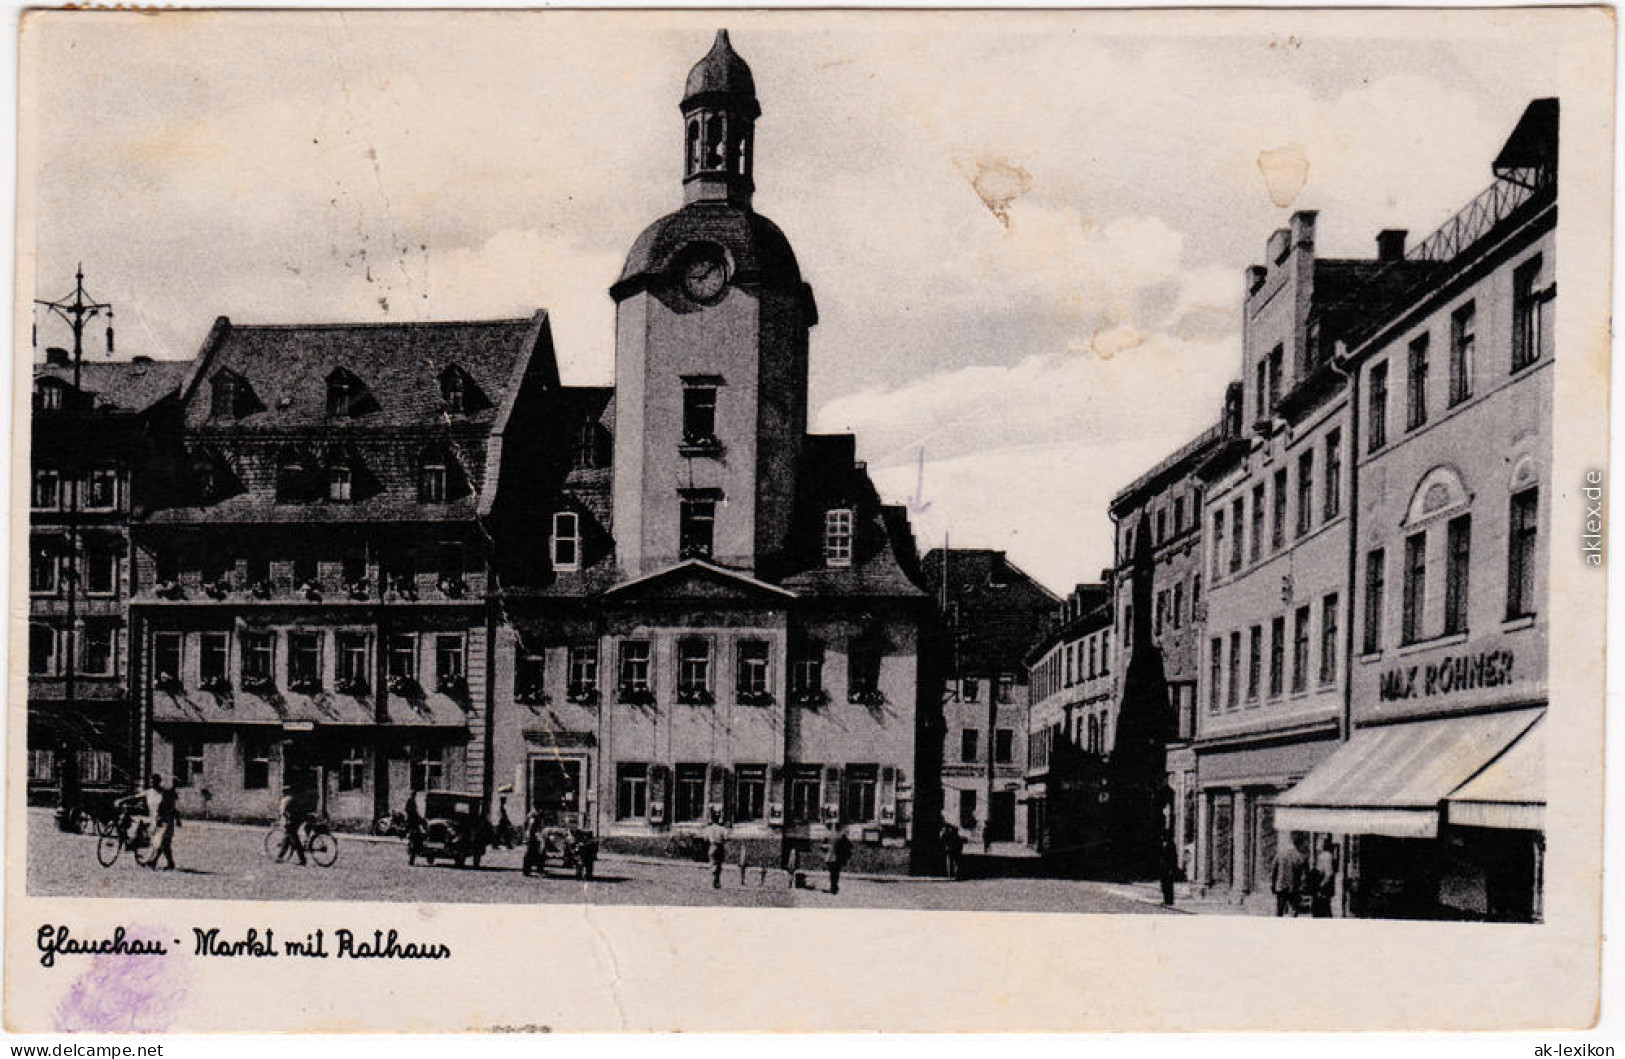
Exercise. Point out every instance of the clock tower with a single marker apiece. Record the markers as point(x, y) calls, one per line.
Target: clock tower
point(711, 327)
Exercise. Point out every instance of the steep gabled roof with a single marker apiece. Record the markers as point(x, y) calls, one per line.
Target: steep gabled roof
point(122, 385)
point(1000, 609)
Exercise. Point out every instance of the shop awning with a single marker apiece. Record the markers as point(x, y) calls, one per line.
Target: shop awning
point(1391, 780)
point(1510, 792)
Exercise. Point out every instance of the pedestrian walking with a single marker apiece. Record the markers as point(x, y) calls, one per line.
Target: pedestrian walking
point(505, 831)
point(953, 849)
point(535, 856)
point(167, 819)
point(1323, 880)
point(414, 828)
point(837, 851)
point(792, 865)
point(1287, 877)
point(293, 818)
point(716, 849)
point(1169, 869)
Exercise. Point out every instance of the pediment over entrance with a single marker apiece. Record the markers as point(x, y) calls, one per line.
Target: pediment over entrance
point(698, 581)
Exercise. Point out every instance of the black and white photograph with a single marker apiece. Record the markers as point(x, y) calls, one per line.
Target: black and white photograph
point(1031, 465)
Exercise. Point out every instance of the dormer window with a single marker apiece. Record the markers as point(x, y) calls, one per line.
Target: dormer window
point(458, 392)
point(225, 395)
point(344, 394)
point(838, 537)
point(433, 479)
point(292, 477)
point(589, 447)
point(340, 482)
point(566, 541)
point(50, 395)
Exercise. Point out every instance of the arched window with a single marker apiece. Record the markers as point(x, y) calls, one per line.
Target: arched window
point(1439, 491)
point(693, 164)
point(716, 141)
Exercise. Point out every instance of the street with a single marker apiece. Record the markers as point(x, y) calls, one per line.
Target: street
point(227, 862)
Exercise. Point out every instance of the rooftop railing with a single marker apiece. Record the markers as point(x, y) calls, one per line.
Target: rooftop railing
point(1474, 221)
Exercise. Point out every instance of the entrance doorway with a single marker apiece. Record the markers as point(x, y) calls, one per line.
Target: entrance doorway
point(1001, 817)
point(555, 790)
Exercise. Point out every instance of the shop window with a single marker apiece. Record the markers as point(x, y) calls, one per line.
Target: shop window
point(187, 762)
point(631, 790)
point(426, 766)
point(1521, 554)
point(688, 794)
point(256, 763)
point(353, 769)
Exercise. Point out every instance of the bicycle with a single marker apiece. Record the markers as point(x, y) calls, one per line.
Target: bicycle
point(115, 838)
point(315, 834)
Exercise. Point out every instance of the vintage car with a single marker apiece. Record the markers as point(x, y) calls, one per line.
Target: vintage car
point(572, 848)
point(454, 828)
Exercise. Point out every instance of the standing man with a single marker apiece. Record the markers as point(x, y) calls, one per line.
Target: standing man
point(716, 849)
point(953, 845)
point(1170, 868)
point(1323, 880)
point(166, 819)
point(836, 854)
point(414, 829)
point(1287, 877)
point(292, 819)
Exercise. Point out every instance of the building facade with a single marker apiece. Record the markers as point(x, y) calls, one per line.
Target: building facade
point(1437, 796)
point(94, 431)
point(990, 612)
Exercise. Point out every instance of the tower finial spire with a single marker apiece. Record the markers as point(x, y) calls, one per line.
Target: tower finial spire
point(719, 114)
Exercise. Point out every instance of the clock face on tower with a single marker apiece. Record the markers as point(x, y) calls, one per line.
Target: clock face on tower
point(703, 272)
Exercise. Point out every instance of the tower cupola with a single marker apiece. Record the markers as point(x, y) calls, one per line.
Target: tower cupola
point(719, 117)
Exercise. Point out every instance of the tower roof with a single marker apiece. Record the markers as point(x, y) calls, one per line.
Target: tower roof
point(721, 73)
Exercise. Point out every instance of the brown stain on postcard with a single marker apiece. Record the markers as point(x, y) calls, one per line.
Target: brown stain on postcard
point(1285, 170)
point(998, 182)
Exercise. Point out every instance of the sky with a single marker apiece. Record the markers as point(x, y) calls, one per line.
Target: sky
point(1026, 233)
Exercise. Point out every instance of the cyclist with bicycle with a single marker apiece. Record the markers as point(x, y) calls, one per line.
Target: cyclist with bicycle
point(293, 821)
point(149, 801)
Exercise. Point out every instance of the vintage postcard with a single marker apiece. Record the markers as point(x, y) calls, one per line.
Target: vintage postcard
point(1036, 520)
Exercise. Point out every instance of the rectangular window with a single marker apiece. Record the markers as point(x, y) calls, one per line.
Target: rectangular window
point(1377, 411)
point(696, 528)
point(1278, 511)
point(42, 650)
point(863, 670)
point(432, 480)
point(402, 659)
point(353, 572)
point(1277, 358)
point(96, 649)
point(1071, 653)
point(699, 415)
point(449, 663)
point(858, 806)
point(1004, 744)
point(806, 794)
point(1521, 554)
point(967, 810)
point(634, 673)
point(304, 661)
point(1162, 612)
point(1375, 578)
point(213, 651)
point(1179, 604)
point(1236, 509)
point(47, 493)
point(258, 654)
point(807, 671)
point(688, 793)
point(1106, 636)
point(1262, 390)
point(353, 769)
point(256, 763)
point(838, 537)
point(427, 768)
point(1257, 522)
point(306, 572)
point(583, 675)
point(1162, 526)
point(449, 559)
point(1461, 354)
point(970, 744)
point(566, 540)
point(1277, 656)
point(1328, 639)
point(257, 571)
point(1300, 649)
point(1006, 687)
point(101, 570)
point(1179, 514)
point(1334, 473)
point(1218, 548)
point(631, 790)
point(529, 672)
point(351, 662)
point(1215, 673)
point(1415, 588)
point(42, 566)
point(751, 677)
point(1527, 303)
point(750, 792)
point(1232, 696)
point(1255, 661)
point(1416, 406)
point(1458, 548)
point(187, 762)
point(1306, 492)
point(101, 489)
point(339, 483)
point(693, 668)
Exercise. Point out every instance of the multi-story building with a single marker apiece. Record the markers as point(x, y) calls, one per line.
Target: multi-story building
point(94, 431)
point(311, 582)
point(991, 611)
point(1070, 722)
point(1167, 500)
point(1437, 796)
point(1276, 546)
point(728, 622)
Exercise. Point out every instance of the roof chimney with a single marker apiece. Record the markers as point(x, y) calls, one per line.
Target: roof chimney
point(1391, 245)
point(58, 357)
